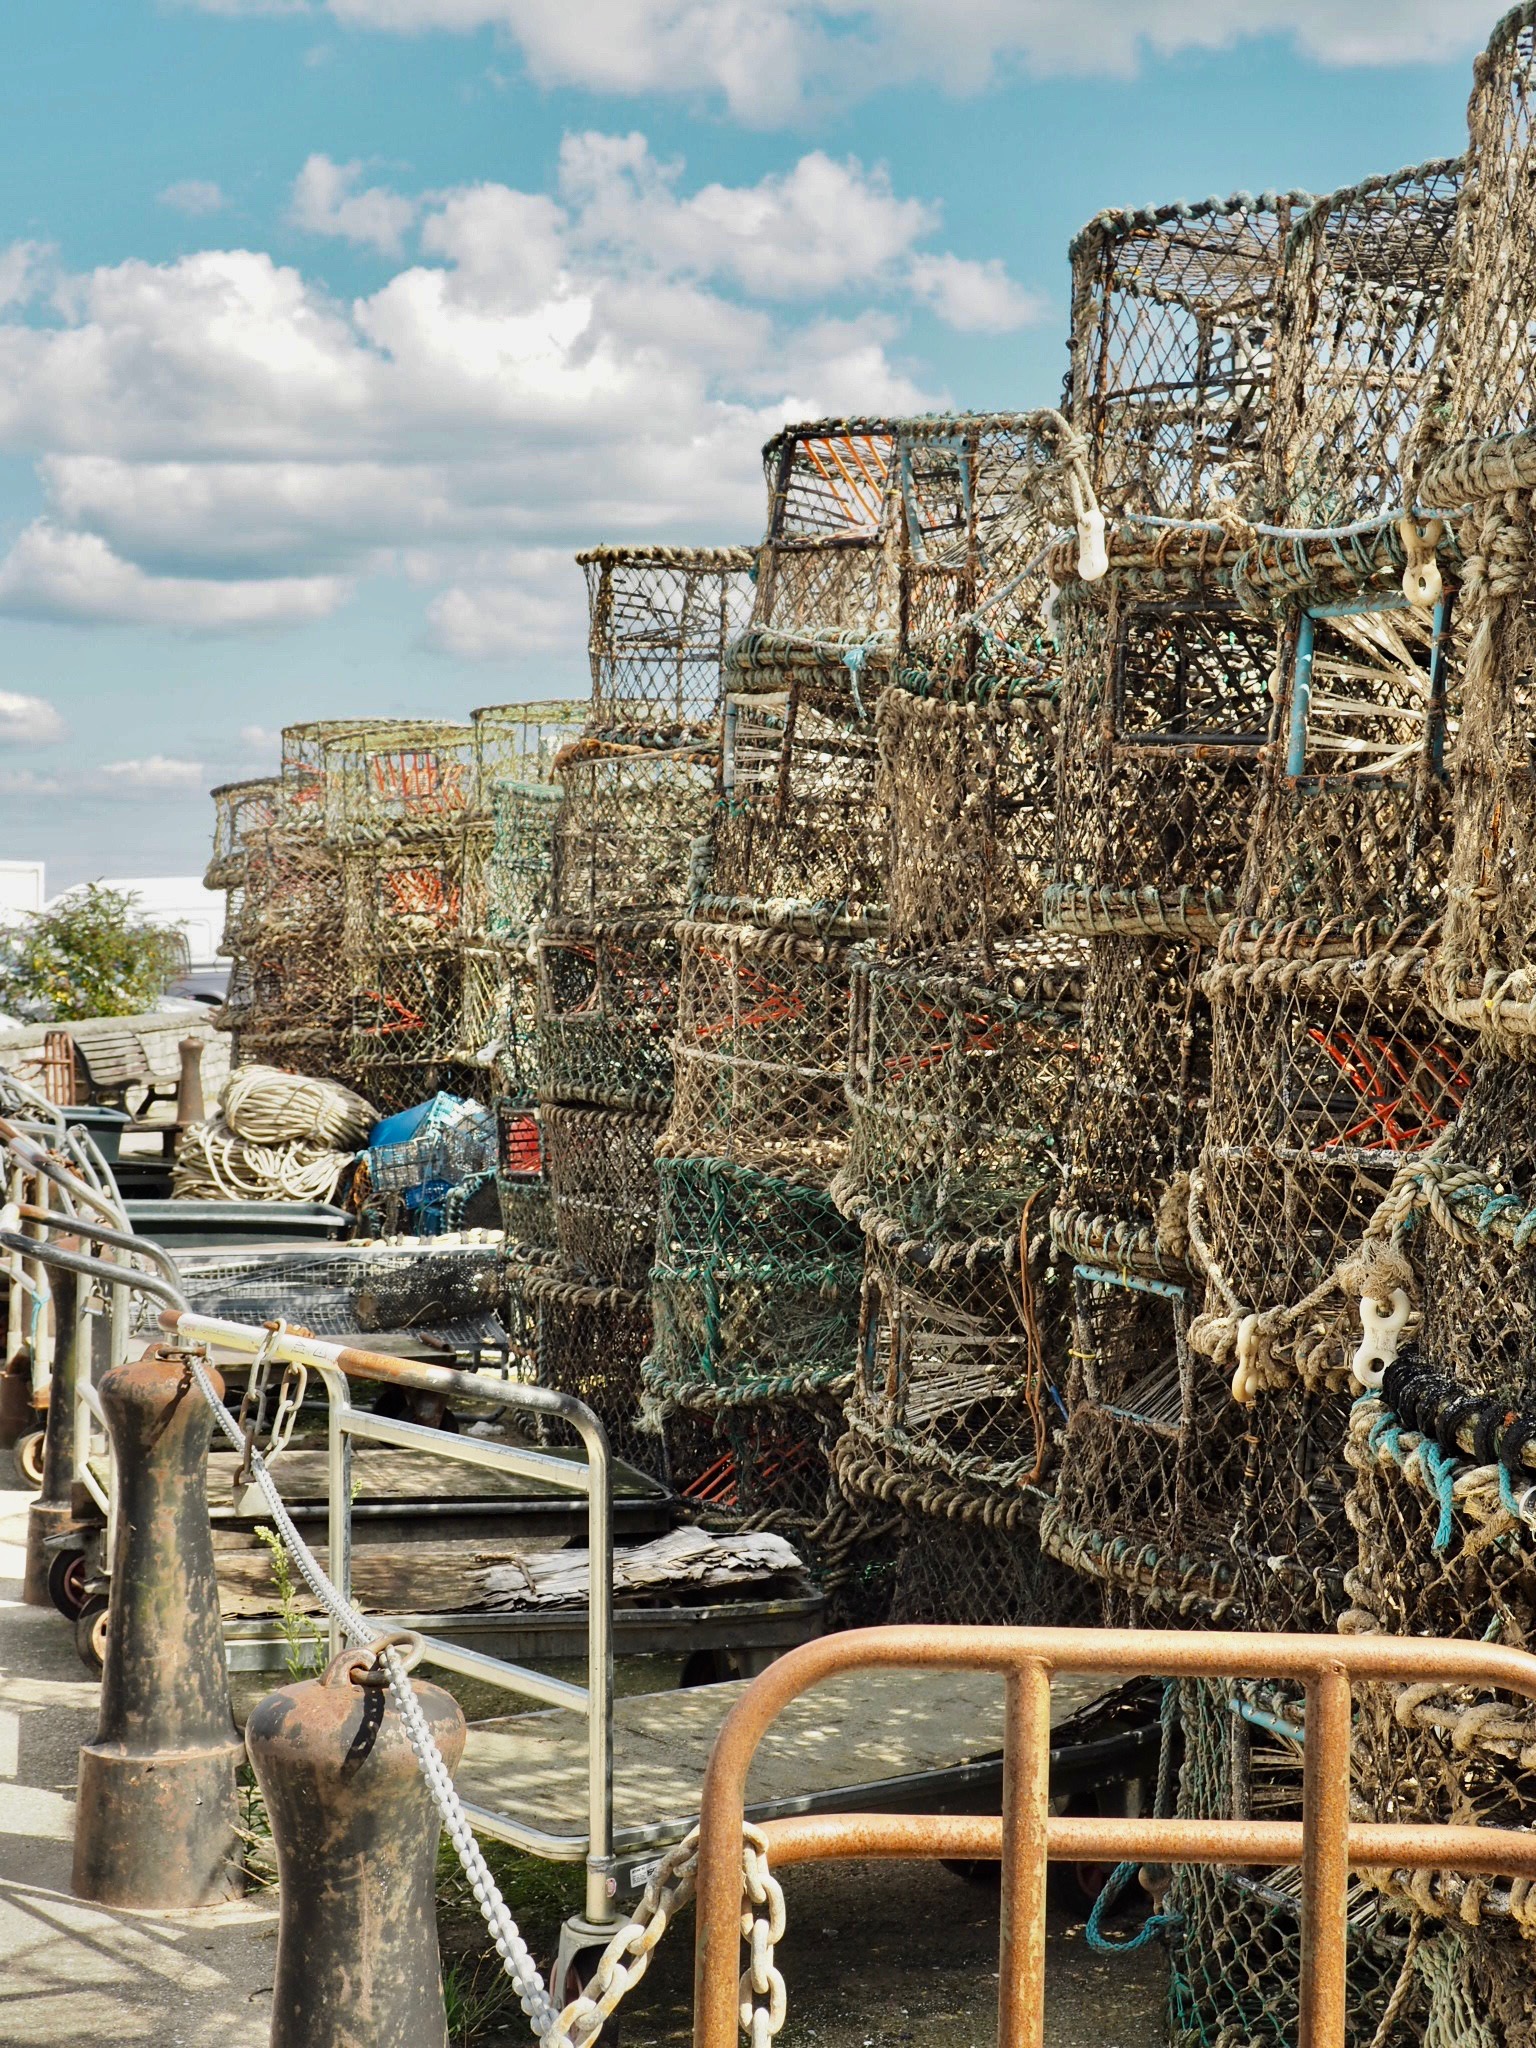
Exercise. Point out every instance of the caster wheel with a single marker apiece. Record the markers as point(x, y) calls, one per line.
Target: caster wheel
point(66, 1582)
point(91, 1634)
point(29, 1457)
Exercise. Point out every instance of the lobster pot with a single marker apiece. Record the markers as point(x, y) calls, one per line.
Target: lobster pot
point(420, 784)
point(420, 896)
point(1440, 1553)
point(1360, 298)
point(660, 622)
point(834, 509)
point(408, 1009)
point(1329, 1072)
point(303, 778)
point(625, 827)
point(1153, 1447)
point(1490, 343)
point(522, 1189)
point(755, 1290)
point(1353, 821)
point(958, 1084)
point(607, 1008)
point(513, 1035)
point(601, 1168)
point(948, 1411)
point(519, 742)
point(589, 1340)
point(295, 990)
point(1236, 1957)
point(962, 1574)
point(759, 1468)
point(762, 1039)
point(1165, 704)
point(1478, 1989)
point(522, 854)
point(318, 1053)
point(401, 1084)
point(1173, 330)
point(292, 893)
point(240, 809)
point(799, 816)
point(970, 791)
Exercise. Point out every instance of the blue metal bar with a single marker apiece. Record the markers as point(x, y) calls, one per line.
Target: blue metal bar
point(1301, 695)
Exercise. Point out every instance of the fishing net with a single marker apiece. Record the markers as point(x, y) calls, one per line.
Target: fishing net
point(1479, 1989)
point(970, 790)
point(408, 1009)
point(1173, 318)
point(520, 742)
point(1236, 1955)
point(1353, 819)
point(1359, 306)
point(755, 1289)
point(947, 1415)
point(420, 783)
point(958, 1080)
point(1165, 704)
point(588, 1339)
point(607, 1008)
point(762, 1035)
point(660, 622)
point(240, 809)
point(1154, 1445)
point(601, 1168)
point(522, 1190)
point(625, 827)
point(522, 853)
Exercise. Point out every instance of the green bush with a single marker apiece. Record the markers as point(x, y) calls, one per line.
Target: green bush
point(87, 957)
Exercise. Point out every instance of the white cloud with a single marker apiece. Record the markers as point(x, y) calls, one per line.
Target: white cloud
point(769, 59)
point(154, 773)
point(22, 268)
point(326, 202)
point(974, 298)
point(261, 739)
point(28, 721)
point(53, 574)
point(196, 196)
point(509, 602)
point(25, 782)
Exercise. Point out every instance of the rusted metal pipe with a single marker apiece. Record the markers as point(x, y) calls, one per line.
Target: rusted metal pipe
point(51, 1514)
point(1026, 1804)
point(1326, 1844)
point(356, 1835)
point(155, 1822)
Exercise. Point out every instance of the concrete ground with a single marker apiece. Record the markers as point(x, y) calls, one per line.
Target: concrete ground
point(71, 1973)
point(875, 1955)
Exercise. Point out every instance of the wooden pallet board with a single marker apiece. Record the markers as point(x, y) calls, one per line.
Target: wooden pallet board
point(380, 1473)
point(865, 1728)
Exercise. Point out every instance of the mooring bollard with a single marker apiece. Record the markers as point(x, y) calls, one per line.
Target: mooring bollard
point(155, 1823)
point(51, 1514)
point(356, 1835)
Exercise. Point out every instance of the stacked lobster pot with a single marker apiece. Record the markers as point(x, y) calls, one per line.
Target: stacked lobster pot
point(241, 811)
point(1329, 1069)
point(1442, 1445)
point(635, 790)
point(965, 1022)
point(756, 1277)
point(1164, 711)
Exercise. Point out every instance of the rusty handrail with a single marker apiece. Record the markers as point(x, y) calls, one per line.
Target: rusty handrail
point(1325, 1843)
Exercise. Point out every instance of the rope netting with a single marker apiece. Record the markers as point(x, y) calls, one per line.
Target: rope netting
point(625, 826)
point(607, 1009)
point(587, 1338)
point(601, 1169)
point(1173, 319)
point(1236, 1948)
point(660, 620)
point(1478, 1991)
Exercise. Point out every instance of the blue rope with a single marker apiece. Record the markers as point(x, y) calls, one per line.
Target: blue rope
point(1124, 1874)
point(1442, 1470)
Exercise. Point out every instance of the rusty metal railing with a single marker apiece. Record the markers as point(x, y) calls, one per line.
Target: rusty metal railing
point(1325, 1842)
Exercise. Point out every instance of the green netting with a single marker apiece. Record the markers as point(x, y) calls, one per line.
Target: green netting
point(755, 1289)
point(1479, 1989)
point(607, 1009)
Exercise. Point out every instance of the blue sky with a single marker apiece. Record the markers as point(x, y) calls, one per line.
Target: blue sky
point(329, 329)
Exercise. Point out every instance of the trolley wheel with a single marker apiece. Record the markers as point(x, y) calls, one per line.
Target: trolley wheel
point(577, 1972)
point(91, 1634)
point(66, 1582)
point(29, 1457)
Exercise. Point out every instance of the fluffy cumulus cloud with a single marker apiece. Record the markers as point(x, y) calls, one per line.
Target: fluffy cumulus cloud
point(222, 445)
point(769, 59)
point(28, 721)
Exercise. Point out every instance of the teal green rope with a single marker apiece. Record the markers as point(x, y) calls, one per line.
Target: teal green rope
point(1123, 1874)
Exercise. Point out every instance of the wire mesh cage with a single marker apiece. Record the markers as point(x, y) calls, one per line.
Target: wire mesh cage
point(1152, 1452)
point(626, 824)
point(947, 1415)
point(755, 1289)
point(762, 1039)
point(1173, 319)
point(1165, 705)
point(1353, 817)
point(239, 810)
point(519, 742)
point(1358, 314)
point(969, 787)
point(522, 855)
point(601, 1168)
point(660, 620)
point(1236, 1953)
point(588, 1339)
point(607, 1009)
point(419, 782)
point(408, 1009)
point(959, 1076)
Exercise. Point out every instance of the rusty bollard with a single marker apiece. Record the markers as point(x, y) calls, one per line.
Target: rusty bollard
point(51, 1514)
point(155, 1823)
point(356, 1836)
